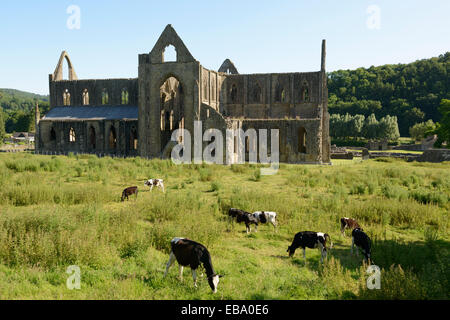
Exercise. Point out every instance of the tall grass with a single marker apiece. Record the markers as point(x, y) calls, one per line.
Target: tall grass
point(61, 211)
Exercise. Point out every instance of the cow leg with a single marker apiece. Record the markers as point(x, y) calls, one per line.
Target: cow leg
point(170, 263)
point(194, 276)
point(162, 187)
point(151, 188)
point(181, 272)
point(304, 254)
point(321, 251)
point(353, 244)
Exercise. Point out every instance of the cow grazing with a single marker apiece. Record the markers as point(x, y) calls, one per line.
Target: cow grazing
point(361, 240)
point(310, 239)
point(266, 217)
point(243, 216)
point(348, 223)
point(155, 183)
point(191, 254)
point(128, 192)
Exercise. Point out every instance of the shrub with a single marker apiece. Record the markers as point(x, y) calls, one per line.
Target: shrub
point(256, 175)
point(205, 175)
point(426, 197)
point(215, 186)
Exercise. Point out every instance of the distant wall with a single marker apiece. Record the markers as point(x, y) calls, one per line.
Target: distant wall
point(95, 89)
point(59, 140)
point(265, 96)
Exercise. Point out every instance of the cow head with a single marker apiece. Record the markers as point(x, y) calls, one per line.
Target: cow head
point(213, 281)
point(291, 251)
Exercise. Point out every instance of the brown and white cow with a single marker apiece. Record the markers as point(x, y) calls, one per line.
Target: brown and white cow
point(159, 183)
point(348, 223)
point(128, 192)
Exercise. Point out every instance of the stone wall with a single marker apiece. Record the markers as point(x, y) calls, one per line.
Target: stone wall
point(59, 140)
point(95, 90)
point(269, 96)
point(435, 155)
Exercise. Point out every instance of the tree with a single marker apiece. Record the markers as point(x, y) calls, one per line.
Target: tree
point(370, 129)
point(388, 128)
point(2, 126)
point(421, 130)
point(443, 129)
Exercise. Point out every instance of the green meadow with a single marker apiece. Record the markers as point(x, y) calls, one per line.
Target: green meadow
point(59, 211)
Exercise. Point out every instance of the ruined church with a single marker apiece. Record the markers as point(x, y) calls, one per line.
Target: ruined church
point(136, 117)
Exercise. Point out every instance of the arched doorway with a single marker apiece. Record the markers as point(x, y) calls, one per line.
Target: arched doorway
point(171, 107)
point(302, 140)
point(112, 139)
point(92, 138)
point(133, 139)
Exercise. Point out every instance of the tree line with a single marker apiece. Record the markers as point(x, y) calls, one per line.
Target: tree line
point(358, 126)
point(411, 92)
point(17, 110)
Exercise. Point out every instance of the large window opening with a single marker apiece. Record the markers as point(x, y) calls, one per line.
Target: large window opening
point(66, 97)
point(170, 54)
point(233, 94)
point(302, 140)
point(92, 138)
point(85, 97)
point(124, 96)
point(257, 94)
point(134, 139)
point(52, 135)
point(305, 92)
point(171, 108)
point(72, 135)
point(105, 97)
point(112, 138)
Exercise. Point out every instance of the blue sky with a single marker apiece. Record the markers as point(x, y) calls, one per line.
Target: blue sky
point(258, 36)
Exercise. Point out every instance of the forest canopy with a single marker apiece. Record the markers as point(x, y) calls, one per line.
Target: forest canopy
point(411, 92)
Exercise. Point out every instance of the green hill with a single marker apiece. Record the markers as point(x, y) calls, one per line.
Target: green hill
point(18, 108)
point(412, 92)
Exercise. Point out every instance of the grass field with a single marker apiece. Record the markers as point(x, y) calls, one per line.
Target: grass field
point(61, 211)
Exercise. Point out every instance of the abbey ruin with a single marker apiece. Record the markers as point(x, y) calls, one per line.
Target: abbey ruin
point(136, 117)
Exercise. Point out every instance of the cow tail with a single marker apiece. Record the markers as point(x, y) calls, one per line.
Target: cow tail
point(331, 242)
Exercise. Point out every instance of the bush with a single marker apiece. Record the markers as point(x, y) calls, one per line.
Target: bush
point(426, 197)
point(205, 175)
point(256, 175)
point(215, 186)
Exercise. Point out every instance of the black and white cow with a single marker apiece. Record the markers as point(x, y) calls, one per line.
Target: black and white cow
point(310, 239)
point(266, 217)
point(191, 254)
point(155, 183)
point(243, 216)
point(361, 240)
point(348, 223)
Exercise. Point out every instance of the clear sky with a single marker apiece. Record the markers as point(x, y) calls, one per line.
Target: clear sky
point(259, 36)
